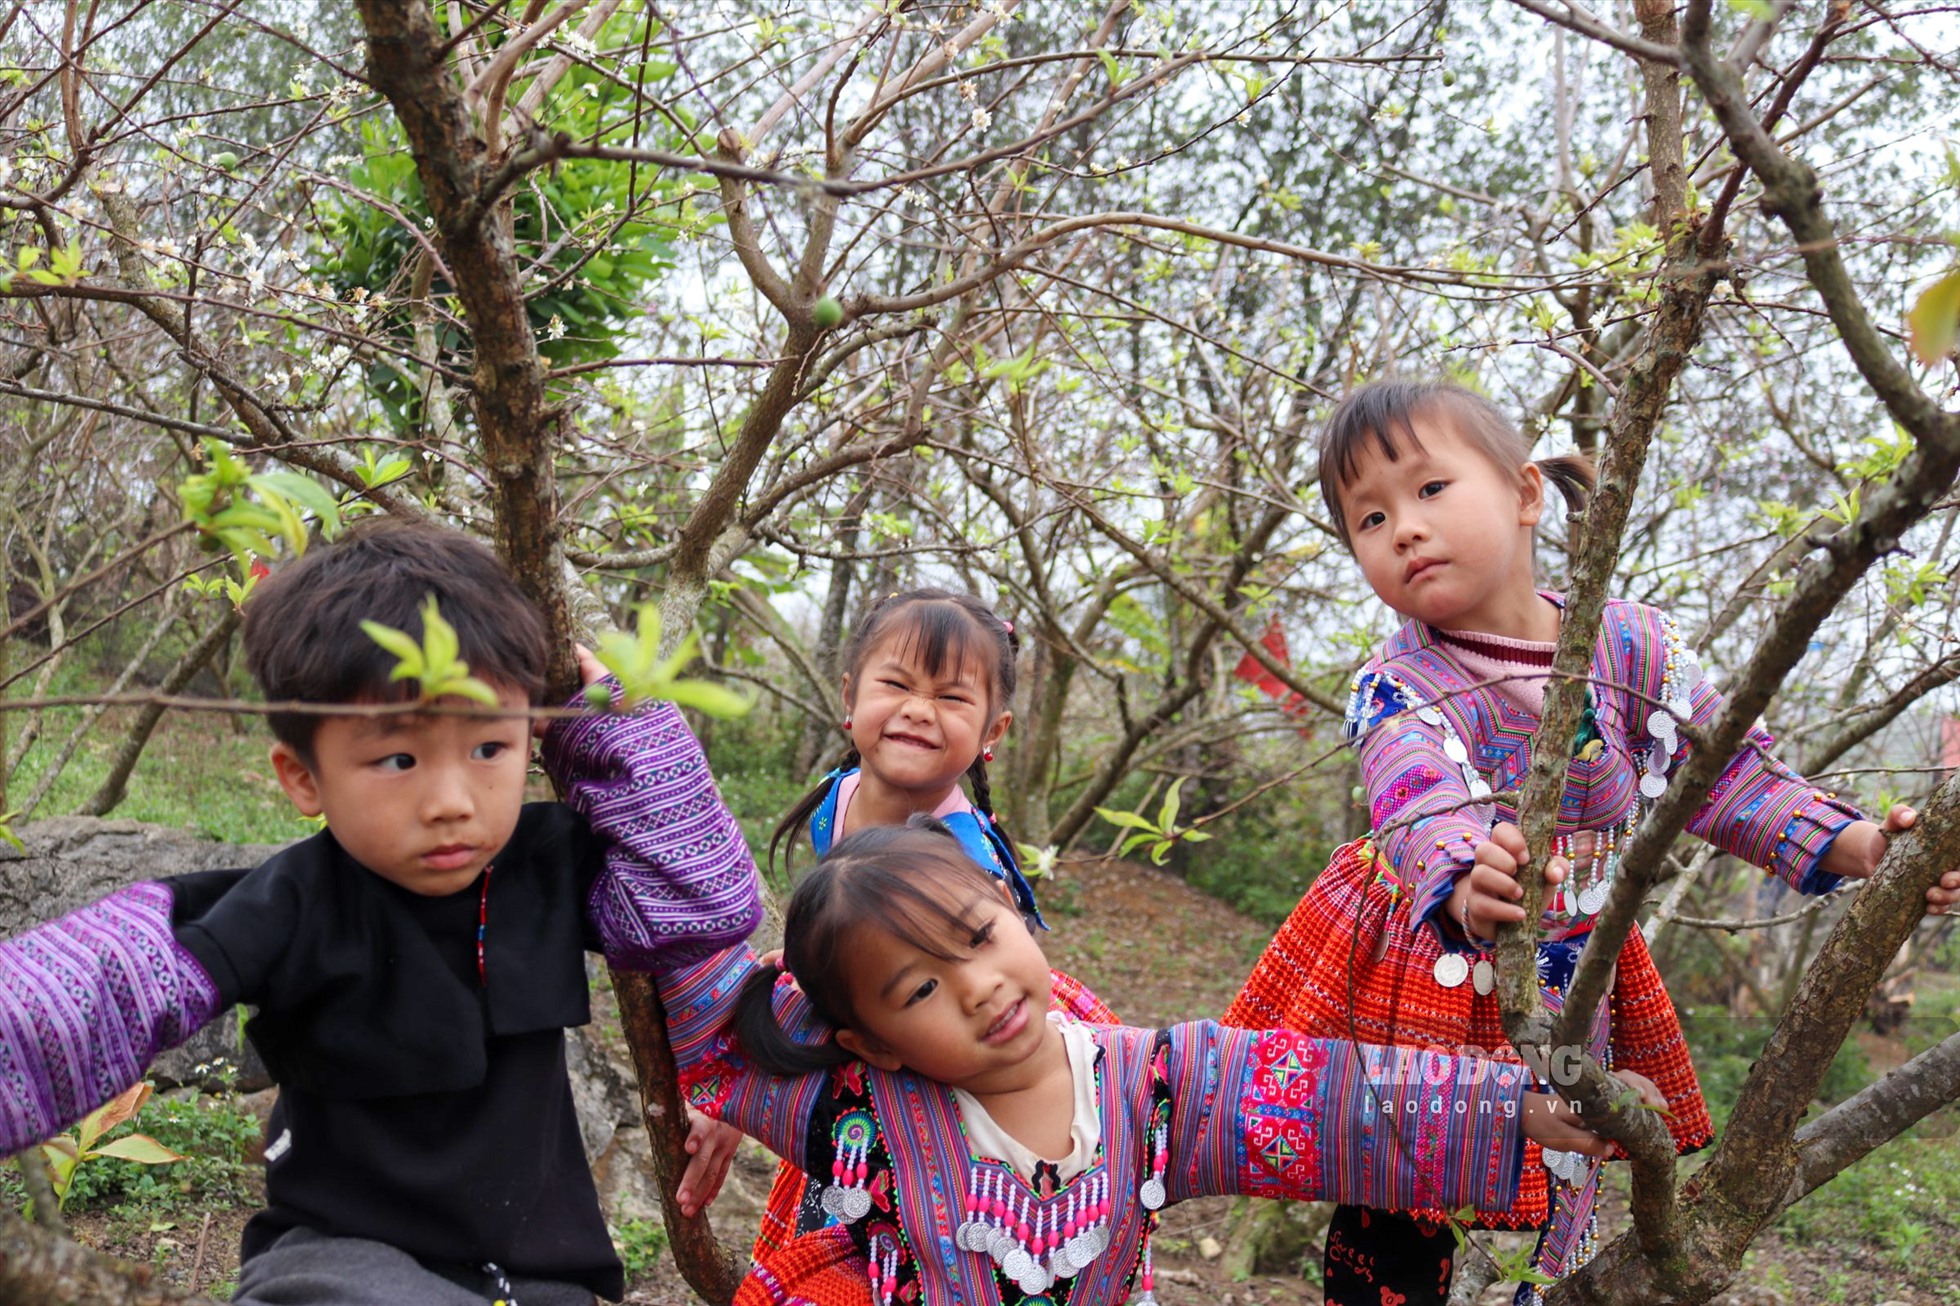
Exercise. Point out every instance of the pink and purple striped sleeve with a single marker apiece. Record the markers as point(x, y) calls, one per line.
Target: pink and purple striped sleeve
point(678, 883)
point(1766, 814)
point(1419, 807)
point(1273, 1113)
point(714, 1075)
point(86, 1002)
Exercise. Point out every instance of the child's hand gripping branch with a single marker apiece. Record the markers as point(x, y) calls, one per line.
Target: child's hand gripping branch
point(1856, 852)
point(1487, 896)
point(1550, 1121)
point(710, 1144)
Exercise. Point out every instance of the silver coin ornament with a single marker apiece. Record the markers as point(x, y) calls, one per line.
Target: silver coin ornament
point(1001, 1244)
point(1480, 790)
point(1660, 724)
point(1454, 750)
point(1151, 1193)
point(1560, 1163)
point(1652, 786)
point(854, 1205)
point(1451, 970)
point(1080, 1249)
point(1592, 899)
point(1484, 976)
point(1035, 1280)
point(1016, 1263)
point(1429, 715)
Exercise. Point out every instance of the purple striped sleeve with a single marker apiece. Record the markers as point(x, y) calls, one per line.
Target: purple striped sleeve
point(1766, 814)
point(1272, 1113)
point(715, 1077)
point(678, 882)
point(86, 1002)
point(1418, 803)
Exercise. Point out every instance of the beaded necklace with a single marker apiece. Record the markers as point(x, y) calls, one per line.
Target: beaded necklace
point(483, 926)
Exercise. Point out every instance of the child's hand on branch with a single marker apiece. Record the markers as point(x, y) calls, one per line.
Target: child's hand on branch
point(1488, 895)
point(710, 1147)
point(1855, 854)
point(590, 670)
point(1550, 1121)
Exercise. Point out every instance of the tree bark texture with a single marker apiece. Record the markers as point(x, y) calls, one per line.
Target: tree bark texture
point(1764, 1165)
point(519, 431)
point(710, 1268)
point(37, 1268)
point(517, 427)
point(1685, 281)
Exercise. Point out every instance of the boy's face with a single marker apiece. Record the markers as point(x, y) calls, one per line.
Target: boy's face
point(423, 801)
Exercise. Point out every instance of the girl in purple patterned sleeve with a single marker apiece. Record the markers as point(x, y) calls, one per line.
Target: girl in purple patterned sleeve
point(415, 965)
point(1435, 493)
point(976, 1148)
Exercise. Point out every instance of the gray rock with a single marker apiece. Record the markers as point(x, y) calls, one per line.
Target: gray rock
point(603, 1089)
point(213, 1062)
point(71, 861)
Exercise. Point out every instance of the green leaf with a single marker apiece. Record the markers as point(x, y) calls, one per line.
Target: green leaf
point(140, 1148)
point(439, 640)
point(1934, 321)
point(304, 490)
point(398, 643)
point(1167, 815)
point(635, 659)
point(706, 696)
point(1128, 820)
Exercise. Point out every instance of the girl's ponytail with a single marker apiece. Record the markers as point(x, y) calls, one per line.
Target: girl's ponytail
point(798, 820)
point(761, 1035)
point(1574, 476)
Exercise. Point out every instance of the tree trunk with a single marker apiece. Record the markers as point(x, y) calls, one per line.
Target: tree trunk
point(37, 1268)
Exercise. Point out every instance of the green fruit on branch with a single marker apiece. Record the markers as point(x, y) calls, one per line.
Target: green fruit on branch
point(827, 313)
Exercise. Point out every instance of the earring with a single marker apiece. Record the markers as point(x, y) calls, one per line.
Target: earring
point(986, 754)
point(847, 725)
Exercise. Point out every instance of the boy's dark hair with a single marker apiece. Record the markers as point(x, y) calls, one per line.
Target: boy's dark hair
point(1384, 412)
point(946, 627)
point(303, 636)
point(903, 879)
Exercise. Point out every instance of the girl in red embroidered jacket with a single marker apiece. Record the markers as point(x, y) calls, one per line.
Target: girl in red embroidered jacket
point(1433, 490)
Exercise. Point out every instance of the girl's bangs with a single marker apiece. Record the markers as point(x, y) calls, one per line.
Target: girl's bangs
point(942, 636)
point(906, 907)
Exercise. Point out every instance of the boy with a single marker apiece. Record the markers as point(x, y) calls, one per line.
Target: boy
point(414, 965)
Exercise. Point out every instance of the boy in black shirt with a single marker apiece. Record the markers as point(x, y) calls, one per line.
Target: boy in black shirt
point(416, 964)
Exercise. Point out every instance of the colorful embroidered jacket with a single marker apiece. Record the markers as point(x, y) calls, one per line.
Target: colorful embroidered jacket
point(1432, 741)
point(423, 1103)
point(977, 832)
point(1261, 1113)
